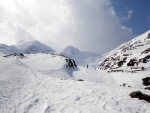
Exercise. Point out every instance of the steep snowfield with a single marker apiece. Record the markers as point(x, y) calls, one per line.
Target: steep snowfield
point(135, 54)
point(130, 62)
point(27, 86)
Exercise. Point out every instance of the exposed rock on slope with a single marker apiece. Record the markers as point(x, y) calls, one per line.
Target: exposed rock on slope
point(146, 81)
point(140, 95)
point(131, 56)
point(18, 55)
point(70, 63)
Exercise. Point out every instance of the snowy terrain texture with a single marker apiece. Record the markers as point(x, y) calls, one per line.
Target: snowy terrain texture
point(51, 83)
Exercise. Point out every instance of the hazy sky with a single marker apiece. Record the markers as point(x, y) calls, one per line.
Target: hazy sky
point(90, 25)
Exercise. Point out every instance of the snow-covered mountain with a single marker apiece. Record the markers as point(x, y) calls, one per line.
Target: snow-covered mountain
point(51, 83)
point(132, 56)
point(29, 47)
point(41, 83)
point(8, 49)
point(26, 47)
point(81, 57)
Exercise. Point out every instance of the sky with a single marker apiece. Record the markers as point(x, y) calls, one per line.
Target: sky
point(90, 25)
point(140, 18)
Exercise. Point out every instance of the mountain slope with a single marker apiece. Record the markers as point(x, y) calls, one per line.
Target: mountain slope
point(29, 47)
point(53, 65)
point(135, 54)
point(50, 83)
point(26, 90)
point(81, 57)
point(8, 49)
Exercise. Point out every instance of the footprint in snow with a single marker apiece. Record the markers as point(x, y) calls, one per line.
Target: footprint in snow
point(77, 98)
point(31, 105)
point(48, 109)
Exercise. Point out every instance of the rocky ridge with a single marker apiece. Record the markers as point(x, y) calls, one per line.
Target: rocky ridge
point(132, 56)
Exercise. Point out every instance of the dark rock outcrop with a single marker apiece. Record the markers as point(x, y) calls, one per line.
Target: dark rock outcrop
point(146, 81)
point(132, 62)
point(18, 55)
point(80, 80)
point(120, 63)
point(146, 51)
point(148, 36)
point(70, 63)
point(148, 88)
point(140, 96)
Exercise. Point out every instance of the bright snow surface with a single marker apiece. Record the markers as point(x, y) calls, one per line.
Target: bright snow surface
point(41, 83)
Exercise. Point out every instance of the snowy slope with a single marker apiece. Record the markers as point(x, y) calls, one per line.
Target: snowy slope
point(52, 65)
point(29, 47)
point(25, 89)
point(55, 66)
point(130, 56)
point(81, 57)
point(48, 83)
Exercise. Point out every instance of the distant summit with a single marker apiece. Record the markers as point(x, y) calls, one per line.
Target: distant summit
point(77, 55)
point(71, 51)
point(8, 49)
point(27, 47)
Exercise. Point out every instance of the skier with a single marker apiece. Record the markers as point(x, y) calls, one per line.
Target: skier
point(87, 66)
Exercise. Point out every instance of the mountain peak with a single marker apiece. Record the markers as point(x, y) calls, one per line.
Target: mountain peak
point(81, 57)
point(71, 50)
point(24, 42)
point(33, 47)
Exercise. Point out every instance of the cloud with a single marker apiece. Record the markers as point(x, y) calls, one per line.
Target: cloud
point(87, 24)
point(112, 11)
point(128, 16)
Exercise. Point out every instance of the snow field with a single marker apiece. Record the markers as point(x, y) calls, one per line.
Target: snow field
point(27, 86)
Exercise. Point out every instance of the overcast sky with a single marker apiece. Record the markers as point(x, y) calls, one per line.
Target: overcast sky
point(90, 25)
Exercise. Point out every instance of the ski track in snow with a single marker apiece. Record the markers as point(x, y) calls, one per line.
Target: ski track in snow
point(26, 90)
